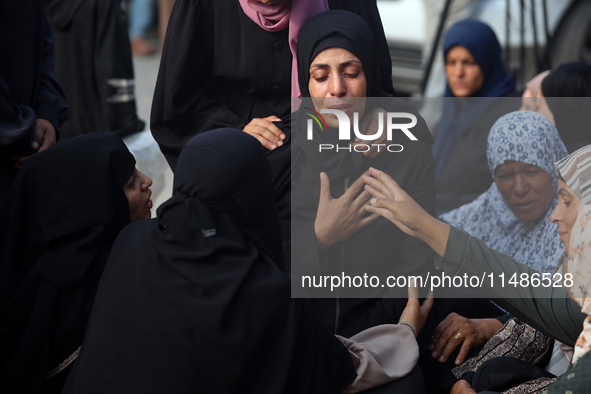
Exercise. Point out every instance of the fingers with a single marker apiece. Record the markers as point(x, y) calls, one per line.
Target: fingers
point(455, 330)
point(264, 130)
point(386, 180)
point(37, 136)
point(466, 346)
point(442, 335)
point(413, 290)
point(427, 304)
point(325, 195)
point(368, 220)
point(357, 186)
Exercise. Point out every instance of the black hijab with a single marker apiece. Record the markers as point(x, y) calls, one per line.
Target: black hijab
point(59, 222)
point(338, 28)
point(568, 93)
point(379, 241)
point(194, 302)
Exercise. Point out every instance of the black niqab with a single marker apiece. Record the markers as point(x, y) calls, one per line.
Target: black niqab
point(193, 302)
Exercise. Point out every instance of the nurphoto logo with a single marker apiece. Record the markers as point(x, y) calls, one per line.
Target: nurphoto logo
point(344, 121)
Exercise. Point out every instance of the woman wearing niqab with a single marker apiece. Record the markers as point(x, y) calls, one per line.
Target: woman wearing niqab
point(195, 301)
point(59, 221)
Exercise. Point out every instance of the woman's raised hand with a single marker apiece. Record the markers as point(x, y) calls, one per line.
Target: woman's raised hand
point(393, 203)
point(339, 218)
point(416, 313)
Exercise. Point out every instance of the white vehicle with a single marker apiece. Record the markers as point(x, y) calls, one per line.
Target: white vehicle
point(540, 34)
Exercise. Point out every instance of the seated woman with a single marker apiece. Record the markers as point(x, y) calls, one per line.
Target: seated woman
point(59, 222)
point(512, 216)
point(476, 77)
point(194, 301)
point(338, 68)
point(546, 307)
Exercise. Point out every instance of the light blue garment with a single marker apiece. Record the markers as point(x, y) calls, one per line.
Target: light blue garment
point(141, 15)
point(526, 137)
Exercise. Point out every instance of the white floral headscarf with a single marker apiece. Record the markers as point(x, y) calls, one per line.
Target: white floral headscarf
point(575, 169)
point(579, 265)
point(530, 138)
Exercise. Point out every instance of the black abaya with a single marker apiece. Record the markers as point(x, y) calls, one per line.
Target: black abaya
point(28, 86)
point(220, 69)
point(59, 222)
point(194, 302)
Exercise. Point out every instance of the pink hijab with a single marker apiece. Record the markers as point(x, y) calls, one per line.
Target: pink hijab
point(292, 13)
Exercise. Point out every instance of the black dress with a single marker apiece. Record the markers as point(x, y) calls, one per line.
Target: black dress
point(220, 69)
point(28, 86)
point(94, 65)
point(59, 222)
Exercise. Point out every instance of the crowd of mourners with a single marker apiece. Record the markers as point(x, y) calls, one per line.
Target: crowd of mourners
point(99, 296)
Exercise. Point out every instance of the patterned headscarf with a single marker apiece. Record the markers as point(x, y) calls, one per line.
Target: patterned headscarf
point(576, 172)
point(530, 138)
point(579, 265)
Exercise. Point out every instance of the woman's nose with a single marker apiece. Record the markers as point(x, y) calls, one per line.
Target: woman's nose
point(337, 86)
point(520, 187)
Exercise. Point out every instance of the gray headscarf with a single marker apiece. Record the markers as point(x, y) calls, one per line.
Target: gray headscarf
point(530, 138)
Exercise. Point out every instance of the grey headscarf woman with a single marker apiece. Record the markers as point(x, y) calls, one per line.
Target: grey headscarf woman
point(524, 137)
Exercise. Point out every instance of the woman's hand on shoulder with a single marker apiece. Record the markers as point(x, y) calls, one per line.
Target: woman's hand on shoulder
point(264, 130)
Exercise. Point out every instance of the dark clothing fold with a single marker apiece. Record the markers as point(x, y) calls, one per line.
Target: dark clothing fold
point(94, 66)
point(60, 220)
point(567, 91)
point(28, 86)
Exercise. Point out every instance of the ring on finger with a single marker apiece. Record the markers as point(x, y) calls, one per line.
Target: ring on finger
point(458, 336)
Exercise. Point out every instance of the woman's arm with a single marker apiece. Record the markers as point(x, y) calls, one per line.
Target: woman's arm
point(546, 308)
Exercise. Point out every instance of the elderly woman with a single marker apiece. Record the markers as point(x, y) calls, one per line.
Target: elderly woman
point(547, 308)
point(512, 216)
point(59, 222)
point(476, 77)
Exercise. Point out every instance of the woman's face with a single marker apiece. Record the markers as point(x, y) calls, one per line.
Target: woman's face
point(526, 189)
point(565, 213)
point(336, 78)
point(464, 75)
point(138, 193)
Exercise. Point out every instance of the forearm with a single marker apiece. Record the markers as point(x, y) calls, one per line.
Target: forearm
point(434, 233)
point(547, 308)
